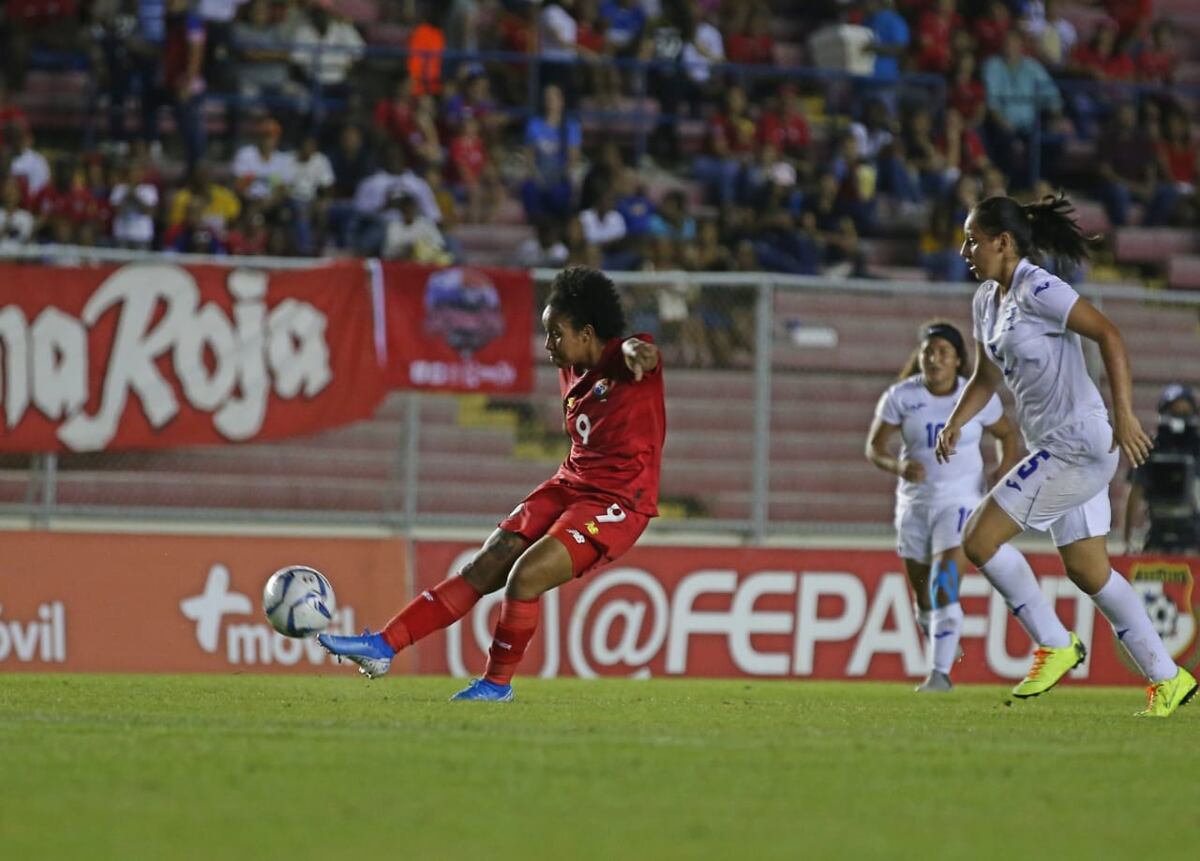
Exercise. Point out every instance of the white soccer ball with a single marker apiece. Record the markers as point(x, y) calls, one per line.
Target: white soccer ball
point(299, 601)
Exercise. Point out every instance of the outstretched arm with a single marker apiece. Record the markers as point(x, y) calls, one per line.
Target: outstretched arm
point(975, 395)
point(1088, 321)
point(641, 357)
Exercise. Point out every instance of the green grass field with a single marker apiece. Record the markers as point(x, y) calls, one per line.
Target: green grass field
point(178, 767)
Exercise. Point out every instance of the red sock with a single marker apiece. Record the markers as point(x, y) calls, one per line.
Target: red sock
point(443, 605)
point(517, 625)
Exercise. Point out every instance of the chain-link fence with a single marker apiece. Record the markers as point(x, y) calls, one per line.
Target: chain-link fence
point(771, 384)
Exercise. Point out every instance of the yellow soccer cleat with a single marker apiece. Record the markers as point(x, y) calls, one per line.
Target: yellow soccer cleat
point(1167, 696)
point(1050, 664)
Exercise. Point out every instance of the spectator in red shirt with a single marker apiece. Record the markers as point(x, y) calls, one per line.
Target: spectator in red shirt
point(1101, 58)
point(10, 114)
point(934, 37)
point(393, 116)
point(961, 146)
point(787, 128)
point(1130, 171)
point(250, 234)
point(66, 207)
point(1180, 157)
point(423, 142)
point(751, 42)
point(1157, 60)
point(731, 144)
point(1128, 14)
point(469, 162)
point(991, 29)
point(1179, 150)
point(966, 93)
point(603, 75)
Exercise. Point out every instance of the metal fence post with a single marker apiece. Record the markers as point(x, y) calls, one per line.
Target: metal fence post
point(49, 489)
point(763, 338)
point(412, 446)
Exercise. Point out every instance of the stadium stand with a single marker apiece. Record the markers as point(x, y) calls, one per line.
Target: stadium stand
point(814, 172)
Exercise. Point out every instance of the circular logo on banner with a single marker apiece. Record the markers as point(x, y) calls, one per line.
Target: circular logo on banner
point(463, 307)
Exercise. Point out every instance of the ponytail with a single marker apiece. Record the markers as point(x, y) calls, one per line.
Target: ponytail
point(1046, 226)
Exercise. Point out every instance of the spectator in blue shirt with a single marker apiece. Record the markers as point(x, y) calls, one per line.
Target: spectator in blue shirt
point(1019, 91)
point(625, 21)
point(634, 204)
point(553, 144)
point(891, 37)
point(1018, 87)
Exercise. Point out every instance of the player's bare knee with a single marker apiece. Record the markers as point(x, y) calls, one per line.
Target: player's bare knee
point(525, 582)
point(484, 578)
point(978, 548)
point(490, 568)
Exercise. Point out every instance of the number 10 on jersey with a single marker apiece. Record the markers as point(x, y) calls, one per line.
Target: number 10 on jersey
point(931, 432)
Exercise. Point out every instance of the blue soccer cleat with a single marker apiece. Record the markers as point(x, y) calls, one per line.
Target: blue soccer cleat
point(481, 690)
point(370, 651)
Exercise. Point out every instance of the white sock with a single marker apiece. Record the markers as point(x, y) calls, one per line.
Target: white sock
point(1012, 577)
point(946, 623)
point(1123, 607)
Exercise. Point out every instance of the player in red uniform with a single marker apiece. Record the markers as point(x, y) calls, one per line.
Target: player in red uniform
point(590, 512)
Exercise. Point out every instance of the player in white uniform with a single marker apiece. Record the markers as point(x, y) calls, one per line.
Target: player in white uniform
point(934, 500)
point(1028, 330)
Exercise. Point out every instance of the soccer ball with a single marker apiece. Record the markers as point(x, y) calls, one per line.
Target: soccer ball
point(1164, 614)
point(298, 601)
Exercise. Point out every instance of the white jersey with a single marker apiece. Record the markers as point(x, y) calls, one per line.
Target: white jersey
point(1025, 334)
point(921, 416)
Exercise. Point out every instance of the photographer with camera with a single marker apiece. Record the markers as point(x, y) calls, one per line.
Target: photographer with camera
point(1169, 482)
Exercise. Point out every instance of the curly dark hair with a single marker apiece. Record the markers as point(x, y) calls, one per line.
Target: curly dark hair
point(586, 296)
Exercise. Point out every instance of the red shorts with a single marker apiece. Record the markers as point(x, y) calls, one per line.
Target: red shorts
point(594, 528)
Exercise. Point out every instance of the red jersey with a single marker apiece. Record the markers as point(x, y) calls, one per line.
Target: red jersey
point(617, 427)
point(394, 119)
point(468, 158)
point(746, 49)
point(1157, 66)
point(1180, 159)
point(934, 36)
point(788, 132)
point(990, 34)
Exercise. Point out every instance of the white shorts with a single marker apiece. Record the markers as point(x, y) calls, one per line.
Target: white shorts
point(1063, 488)
point(923, 530)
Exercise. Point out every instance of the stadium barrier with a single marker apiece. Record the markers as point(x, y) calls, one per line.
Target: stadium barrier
point(171, 603)
point(771, 383)
point(95, 602)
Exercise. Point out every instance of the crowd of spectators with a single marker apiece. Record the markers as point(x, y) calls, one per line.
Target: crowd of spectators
point(272, 127)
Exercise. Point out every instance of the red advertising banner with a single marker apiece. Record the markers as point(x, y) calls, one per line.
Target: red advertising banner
point(174, 603)
point(158, 355)
point(824, 614)
point(459, 329)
